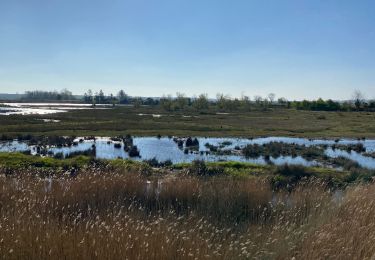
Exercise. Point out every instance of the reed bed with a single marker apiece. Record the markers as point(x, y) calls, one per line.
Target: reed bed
point(104, 214)
point(349, 233)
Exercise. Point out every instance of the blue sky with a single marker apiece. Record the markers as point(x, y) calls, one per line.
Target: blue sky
point(295, 49)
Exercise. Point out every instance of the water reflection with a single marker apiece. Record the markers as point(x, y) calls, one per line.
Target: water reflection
point(43, 108)
point(364, 161)
point(28, 111)
point(165, 148)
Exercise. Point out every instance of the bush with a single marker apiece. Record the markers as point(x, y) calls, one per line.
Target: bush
point(155, 163)
point(90, 153)
point(198, 167)
point(296, 171)
point(134, 152)
point(289, 175)
point(191, 142)
point(58, 155)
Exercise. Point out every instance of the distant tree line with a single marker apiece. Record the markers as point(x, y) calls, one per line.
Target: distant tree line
point(39, 95)
point(121, 98)
point(225, 103)
point(245, 103)
point(321, 105)
point(222, 102)
point(357, 103)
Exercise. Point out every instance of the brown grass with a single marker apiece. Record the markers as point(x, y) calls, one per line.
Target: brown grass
point(122, 215)
point(350, 232)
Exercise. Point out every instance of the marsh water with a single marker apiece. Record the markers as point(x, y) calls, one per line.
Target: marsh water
point(43, 108)
point(165, 148)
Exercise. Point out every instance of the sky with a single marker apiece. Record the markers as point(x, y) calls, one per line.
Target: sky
point(294, 48)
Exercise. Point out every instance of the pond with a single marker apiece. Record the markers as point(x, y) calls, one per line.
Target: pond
point(167, 148)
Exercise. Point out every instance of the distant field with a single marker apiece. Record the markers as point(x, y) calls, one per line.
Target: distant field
point(127, 120)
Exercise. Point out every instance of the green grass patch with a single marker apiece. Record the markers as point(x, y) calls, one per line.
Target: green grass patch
point(255, 123)
point(20, 161)
point(279, 176)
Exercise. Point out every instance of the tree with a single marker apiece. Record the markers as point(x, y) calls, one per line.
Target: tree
point(319, 105)
point(220, 100)
point(282, 101)
point(372, 104)
point(201, 103)
point(306, 105)
point(223, 101)
point(258, 99)
point(166, 102)
point(101, 97)
point(235, 104)
point(271, 97)
point(66, 94)
point(137, 102)
point(112, 99)
point(88, 96)
point(181, 100)
point(245, 102)
point(358, 99)
point(150, 101)
point(332, 105)
point(123, 97)
point(95, 99)
point(48, 95)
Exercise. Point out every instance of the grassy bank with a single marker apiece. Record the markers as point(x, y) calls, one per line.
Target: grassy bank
point(278, 177)
point(127, 120)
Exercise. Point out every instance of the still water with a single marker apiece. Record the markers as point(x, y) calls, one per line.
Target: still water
point(42, 108)
point(165, 148)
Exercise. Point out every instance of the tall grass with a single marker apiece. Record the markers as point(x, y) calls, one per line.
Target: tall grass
point(103, 214)
point(349, 233)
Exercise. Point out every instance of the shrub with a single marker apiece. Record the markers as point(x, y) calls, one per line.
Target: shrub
point(198, 167)
point(155, 163)
point(191, 142)
point(58, 155)
point(297, 171)
point(90, 152)
point(134, 152)
point(289, 175)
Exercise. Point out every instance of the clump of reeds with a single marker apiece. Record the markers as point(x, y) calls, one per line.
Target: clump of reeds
point(349, 233)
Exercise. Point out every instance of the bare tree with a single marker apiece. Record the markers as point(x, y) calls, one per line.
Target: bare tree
point(166, 102)
point(271, 97)
point(223, 101)
point(181, 100)
point(201, 103)
point(258, 99)
point(358, 99)
point(245, 101)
